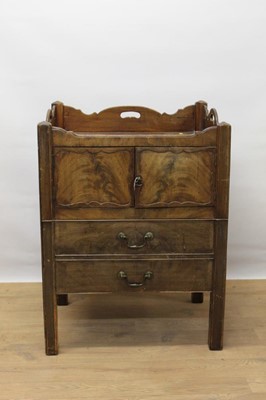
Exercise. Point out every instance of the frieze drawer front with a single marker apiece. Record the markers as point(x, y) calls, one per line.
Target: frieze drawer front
point(133, 200)
point(115, 275)
point(138, 237)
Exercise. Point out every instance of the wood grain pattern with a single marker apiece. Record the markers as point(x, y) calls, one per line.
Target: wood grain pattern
point(65, 138)
point(175, 177)
point(88, 194)
point(102, 237)
point(110, 120)
point(94, 177)
point(58, 107)
point(45, 169)
point(47, 235)
point(217, 299)
point(223, 170)
point(133, 213)
point(200, 115)
point(49, 296)
point(101, 276)
point(141, 346)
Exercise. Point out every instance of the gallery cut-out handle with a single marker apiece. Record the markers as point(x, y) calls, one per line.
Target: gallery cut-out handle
point(130, 114)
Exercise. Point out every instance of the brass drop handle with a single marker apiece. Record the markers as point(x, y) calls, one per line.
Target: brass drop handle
point(146, 237)
point(146, 276)
point(213, 116)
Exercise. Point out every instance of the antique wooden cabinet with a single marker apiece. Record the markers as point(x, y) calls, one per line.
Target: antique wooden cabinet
point(133, 203)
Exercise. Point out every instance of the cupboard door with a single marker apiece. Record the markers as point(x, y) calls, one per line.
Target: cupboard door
point(94, 177)
point(173, 177)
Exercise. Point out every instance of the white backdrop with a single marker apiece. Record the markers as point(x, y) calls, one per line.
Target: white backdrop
point(163, 54)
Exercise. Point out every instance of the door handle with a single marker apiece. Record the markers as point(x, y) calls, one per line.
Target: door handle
point(138, 182)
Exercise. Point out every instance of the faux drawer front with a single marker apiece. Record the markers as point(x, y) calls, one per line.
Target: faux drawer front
point(149, 237)
point(126, 275)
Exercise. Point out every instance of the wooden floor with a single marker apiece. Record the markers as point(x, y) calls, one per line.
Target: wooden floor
point(133, 347)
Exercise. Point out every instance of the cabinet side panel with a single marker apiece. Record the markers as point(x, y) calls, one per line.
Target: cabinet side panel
point(45, 169)
point(223, 170)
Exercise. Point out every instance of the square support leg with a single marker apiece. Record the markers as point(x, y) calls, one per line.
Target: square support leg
point(197, 297)
point(49, 294)
point(217, 298)
point(62, 299)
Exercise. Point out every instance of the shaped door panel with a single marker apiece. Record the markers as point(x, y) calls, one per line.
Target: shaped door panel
point(94, 177)
point(173, 177)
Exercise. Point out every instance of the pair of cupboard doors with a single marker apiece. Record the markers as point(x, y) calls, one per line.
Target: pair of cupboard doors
point(140, 177)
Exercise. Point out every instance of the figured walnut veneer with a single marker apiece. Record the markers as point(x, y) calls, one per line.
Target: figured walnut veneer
point(94, 177)
point(176, 176)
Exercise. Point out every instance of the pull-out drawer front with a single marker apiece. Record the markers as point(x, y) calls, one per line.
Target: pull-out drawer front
point(133, 237)
point(126, 275)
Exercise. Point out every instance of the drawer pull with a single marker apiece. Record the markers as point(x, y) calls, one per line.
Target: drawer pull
point(146, 237)
point(147, 275)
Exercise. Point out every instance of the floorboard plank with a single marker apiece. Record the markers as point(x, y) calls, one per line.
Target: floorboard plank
point(133, 347)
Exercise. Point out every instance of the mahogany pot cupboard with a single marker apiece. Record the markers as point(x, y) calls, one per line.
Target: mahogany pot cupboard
point(132, 200)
